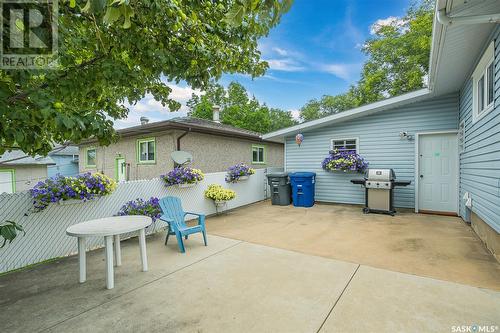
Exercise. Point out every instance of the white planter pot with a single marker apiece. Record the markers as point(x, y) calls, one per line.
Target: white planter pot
point(70, 202)
point(220, 203)
point(243, 178)
point(186, 185)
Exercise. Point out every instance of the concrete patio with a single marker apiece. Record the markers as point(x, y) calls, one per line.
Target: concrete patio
point(237, 286)
point(442, 247)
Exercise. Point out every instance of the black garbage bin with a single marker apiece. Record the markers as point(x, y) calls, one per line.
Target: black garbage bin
point(280, 188)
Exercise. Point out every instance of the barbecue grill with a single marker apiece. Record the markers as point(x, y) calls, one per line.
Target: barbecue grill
point(379, 187)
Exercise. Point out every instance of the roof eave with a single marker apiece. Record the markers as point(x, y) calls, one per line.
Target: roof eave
point(353, 113)
point(170, 125)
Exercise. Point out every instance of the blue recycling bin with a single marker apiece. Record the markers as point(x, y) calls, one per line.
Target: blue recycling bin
point(302, 188)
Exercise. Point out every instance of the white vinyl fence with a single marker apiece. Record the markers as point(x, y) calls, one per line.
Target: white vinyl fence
point(46, 230)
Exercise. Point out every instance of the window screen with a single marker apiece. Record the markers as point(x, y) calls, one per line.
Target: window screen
point(345, 144)
point(257, 154)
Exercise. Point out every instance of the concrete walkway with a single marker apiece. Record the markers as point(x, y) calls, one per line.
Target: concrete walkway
point(234, 286)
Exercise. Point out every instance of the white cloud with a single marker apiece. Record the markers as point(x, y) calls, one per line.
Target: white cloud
point(338, 70)
point(133, 119)
point(280, 51)
point(151, 108)
point(347, 72)
point(295, 114)
point(389, 21)
point(285, 64)
point(182, 94)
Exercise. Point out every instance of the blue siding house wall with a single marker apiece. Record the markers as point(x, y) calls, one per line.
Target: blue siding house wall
point(480, 160)
point(379, 143)
point(65, 165)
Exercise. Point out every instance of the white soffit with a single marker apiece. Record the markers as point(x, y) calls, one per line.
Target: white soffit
point(456, 48)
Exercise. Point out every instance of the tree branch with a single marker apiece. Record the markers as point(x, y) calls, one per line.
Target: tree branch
point(23, 95)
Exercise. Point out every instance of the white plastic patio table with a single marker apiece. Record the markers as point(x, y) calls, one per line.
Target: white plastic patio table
point(110, 228)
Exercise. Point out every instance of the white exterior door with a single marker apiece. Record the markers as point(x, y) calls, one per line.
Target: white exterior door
point(121, 170)
point(6, 181)
point(438, 172)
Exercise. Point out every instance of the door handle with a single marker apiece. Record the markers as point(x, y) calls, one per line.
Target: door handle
point(421, 176)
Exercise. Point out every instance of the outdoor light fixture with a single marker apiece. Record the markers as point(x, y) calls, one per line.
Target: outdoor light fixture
point(405, 135)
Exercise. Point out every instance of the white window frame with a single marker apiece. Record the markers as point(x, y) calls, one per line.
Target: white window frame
point(258, 147)
point(345, 139)
point(481, 71)
point(146, 141)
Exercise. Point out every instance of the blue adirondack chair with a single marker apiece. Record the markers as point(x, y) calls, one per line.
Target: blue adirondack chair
point(174, 215)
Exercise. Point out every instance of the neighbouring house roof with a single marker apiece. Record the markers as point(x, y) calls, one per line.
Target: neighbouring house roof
point(64, 151)
point(190, 124)
point(17, 157)
point(454, 53)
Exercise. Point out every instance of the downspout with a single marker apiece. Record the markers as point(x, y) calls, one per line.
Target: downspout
point(180, 137)
point(179, 142)
point(444, 19)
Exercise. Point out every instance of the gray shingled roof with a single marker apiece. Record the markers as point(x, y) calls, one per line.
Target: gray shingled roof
point(17, 157)
point(213, 125)
point(191, 124)
point(69, 150)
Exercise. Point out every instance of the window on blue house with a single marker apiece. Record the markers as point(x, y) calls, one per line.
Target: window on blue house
point(350, 144)
point(483, 84)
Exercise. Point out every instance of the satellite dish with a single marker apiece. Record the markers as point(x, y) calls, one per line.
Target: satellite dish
point(181, 157)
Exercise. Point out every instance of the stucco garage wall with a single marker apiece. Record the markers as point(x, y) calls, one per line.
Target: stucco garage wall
point(213, 153)
point(379, 143)
point(28, 175)
point(127, 147)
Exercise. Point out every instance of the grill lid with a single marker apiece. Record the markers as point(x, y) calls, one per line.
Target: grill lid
point(384, 175)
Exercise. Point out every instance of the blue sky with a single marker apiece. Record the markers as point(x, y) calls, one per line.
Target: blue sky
point(315, 50)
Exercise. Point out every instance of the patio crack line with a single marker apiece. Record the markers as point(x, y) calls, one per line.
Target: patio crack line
point(136, 288)
point(338, 299)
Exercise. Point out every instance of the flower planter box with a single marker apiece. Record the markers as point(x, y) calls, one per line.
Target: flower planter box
point(220, 203)
point(344, 171)
point(186, 185)
point(243, 178)
point(70, 202)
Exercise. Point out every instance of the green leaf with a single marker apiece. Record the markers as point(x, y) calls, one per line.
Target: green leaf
point(112, 15)
point(8, 231)
point(127, 13)
point(235, 15)
point(20, 24)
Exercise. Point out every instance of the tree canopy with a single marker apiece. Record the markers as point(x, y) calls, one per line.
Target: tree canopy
point(238, 109)
point(112, 52)
point(398, 61)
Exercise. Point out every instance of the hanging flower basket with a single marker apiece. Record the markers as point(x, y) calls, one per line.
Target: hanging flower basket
point(219, 194)
point(70, 202)
point(220, 203)
point(71, 190)
point(140, 206)
point(344, 161)
point(238, 172)
point(187, 185)
point(183, 177)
